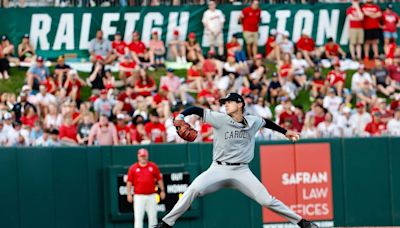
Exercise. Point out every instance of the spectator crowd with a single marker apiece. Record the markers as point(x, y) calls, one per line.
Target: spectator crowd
point(133, 108)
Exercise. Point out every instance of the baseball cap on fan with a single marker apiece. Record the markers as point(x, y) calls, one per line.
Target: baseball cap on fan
point(232, 97)
point(143, 152)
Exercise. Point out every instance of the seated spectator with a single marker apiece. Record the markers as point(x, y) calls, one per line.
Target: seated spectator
point(261, 108)
point(123, 131)
point(381, 107)
point(145, 85)
point(138, 49)
point(139, 134)
point(381, 79)
point(318, 84)
point(128, 70)
point(285, 69)
point(156, 50)
point(393, 126)
point(194, 78)
point(36, 132)
point(376, 127)
point(100, 46)
point(61, 70)
point(83, 129)
point(272, 51)
point(335, 79)
point(391, 51)
point(50, 84)
point(155, 129)
point(274, 89)
point(4, 65)
point(328, 129)
point(37, 73)
point(332, 50)
point(231, 80)
point(193, 49)
point(127, 100)
point(358, 79)
point(309, 131)
point(285, 45)
point(22, 105)
point(103, 133)
point(367, 95)
point(235, 48)
point(119, 47)
point(29, 117)
point(110, 83)
point(206, 132)
point(176, 48)
point(73, 86)
point(8, 50)
point(173, 83)
point(306, 46)
point(53, 117)
point(344, 123)
point(26, 52)
point(95, 79)
point(332, 102)
point(319, 114)
point(394, 72)
point(104, 106)
point(43, 140)
point(44, 98)
point(289, 114)
point(161, 98)
point(360, 119)
point(68, 132)
point(54, 140)
point(299, 69)
point(212, 67)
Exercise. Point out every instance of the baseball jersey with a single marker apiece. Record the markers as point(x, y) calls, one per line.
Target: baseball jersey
point(143, 178)
point(233, 142)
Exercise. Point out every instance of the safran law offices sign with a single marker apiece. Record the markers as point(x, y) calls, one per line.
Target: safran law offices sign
point(55, 31)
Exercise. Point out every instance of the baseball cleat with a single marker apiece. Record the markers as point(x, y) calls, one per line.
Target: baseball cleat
point(162, 224)
point(307, 224)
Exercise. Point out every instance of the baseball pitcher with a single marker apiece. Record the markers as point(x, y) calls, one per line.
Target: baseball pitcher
point(233, 150)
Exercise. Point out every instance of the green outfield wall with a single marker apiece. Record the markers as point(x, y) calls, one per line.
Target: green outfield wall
point(70, 187)
point(55, 31)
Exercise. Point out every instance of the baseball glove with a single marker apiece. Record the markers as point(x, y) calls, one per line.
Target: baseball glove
point(185, 131)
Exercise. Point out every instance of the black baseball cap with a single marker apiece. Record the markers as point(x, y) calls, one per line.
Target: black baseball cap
point(232, 97)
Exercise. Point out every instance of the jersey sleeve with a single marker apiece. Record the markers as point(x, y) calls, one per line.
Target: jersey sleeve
point(216, 119)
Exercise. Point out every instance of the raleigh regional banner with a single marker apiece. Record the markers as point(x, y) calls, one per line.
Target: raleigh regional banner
point(55, 31)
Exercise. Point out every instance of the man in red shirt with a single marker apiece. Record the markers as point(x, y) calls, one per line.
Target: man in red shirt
point(128, 69)
point(68, 131)
point(332, 50)
point(143, 175)
point(250, 18)
point(335, 79)
point(390, 23)
point(138, 49)
point(307, 46)
point(356, 30)
point(127, 100)
point(155, 130)
point(119, 47)
point(272, 51)
point(123, 131)
point(372, 16)
point(376, 127)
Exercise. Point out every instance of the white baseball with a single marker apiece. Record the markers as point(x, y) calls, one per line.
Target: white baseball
point(295, 138)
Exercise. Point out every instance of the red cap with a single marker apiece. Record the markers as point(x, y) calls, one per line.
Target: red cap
point(246, 90)
point(103, 91)
point(192, 35)
point(165, 88)
point(360, 105)
point(259, 56)
point(143, 152)
point(99, 57)
point(176, 32)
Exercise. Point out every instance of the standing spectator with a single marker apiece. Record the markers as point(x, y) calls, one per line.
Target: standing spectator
point(356, 31)
point(103, 133)
point(156, 50)
point(26, 52)
point(390, 23)
point(250, 19)
point(335, 79)
point(193, 49)
point(381, 78)
point(84, 129)
point(328, 129)
point(68, 132)
point(142, 176)
point(155, 129)
point(360, 119)
point(372, 16)
point(306, 46)
point(61, 70)
point(104, 105)
point(176, 48)
point(376, 127)
point(37, 73)
point(119, 47)
point(123, 131)
point(213, 21)
point(100, 46)
point(393, 126)
point(22, 105)
point(358, 79)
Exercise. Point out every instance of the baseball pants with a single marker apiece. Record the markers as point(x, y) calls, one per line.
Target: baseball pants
point(236, 177)
point(148, 204)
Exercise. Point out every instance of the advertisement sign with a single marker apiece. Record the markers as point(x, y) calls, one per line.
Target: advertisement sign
point(300, 176)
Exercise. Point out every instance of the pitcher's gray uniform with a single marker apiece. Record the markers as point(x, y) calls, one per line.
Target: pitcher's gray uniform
point(233, 143)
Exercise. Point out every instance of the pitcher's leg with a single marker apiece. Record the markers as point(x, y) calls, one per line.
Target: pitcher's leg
point(248, 184)
point(209, 181)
